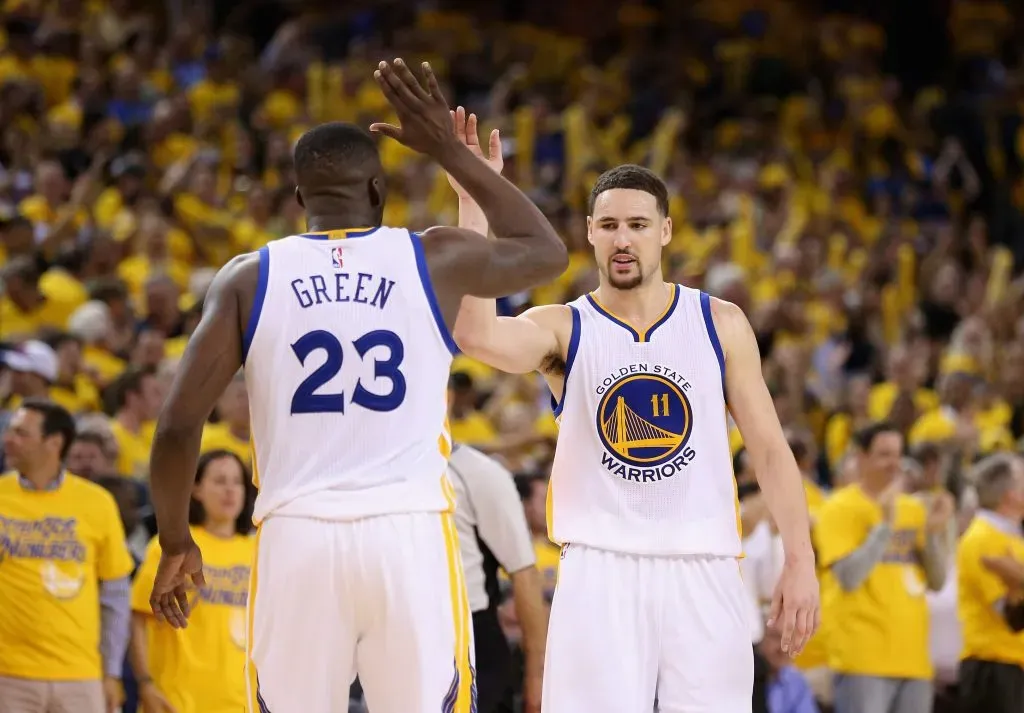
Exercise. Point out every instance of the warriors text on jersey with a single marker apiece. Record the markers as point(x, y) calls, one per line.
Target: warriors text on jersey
point(346, 363)
point(643, 464)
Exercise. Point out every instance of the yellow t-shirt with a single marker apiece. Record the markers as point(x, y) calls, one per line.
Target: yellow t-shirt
point(201, 669)
point(57, 545)
point(882, 626)
point(883, 396)
point(986, 634)
point(80, 395)
point(217, 436)
point(472, 430)
point(132, 450)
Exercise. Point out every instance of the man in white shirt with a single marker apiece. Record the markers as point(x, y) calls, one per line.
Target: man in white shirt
point(493, 533)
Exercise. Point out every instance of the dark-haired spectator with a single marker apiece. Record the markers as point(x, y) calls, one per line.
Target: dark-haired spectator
point(135, 400)
point(65, 560)
point(198, 669)
point(884, 550)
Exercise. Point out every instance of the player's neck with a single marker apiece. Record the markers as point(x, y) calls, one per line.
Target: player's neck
point(641, 304)
point(350, 219)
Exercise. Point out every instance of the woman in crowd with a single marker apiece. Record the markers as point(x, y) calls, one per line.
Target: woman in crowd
point(195, 670)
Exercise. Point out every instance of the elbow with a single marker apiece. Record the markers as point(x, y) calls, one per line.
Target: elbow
point(558, 261)
point(472, 339)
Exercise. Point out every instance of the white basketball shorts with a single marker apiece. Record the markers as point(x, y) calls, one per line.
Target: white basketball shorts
point(382, 597)
point(627, 630)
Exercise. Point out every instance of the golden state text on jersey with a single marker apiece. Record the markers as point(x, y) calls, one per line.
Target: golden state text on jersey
point(644, 421)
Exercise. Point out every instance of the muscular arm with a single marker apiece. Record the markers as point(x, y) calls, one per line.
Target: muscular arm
point(517, 345)
point(527, 252)
point(754, 412)
point(212, 358)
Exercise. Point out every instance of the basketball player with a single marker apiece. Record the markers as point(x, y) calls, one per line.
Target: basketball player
point(649, 604)
point(344, 335)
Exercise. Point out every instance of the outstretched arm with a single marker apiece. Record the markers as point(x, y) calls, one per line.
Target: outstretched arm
point(212, 358)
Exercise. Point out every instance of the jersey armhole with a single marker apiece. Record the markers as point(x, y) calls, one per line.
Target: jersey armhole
point(428, 290)
point(709, 324)
point(570, 357)
point(257, 301)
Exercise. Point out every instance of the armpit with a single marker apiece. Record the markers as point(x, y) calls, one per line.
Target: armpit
point(553, 365)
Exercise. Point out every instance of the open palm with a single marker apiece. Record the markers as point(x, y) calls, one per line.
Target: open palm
point(466, 131)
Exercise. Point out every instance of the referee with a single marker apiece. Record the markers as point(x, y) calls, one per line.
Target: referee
point(493, 533)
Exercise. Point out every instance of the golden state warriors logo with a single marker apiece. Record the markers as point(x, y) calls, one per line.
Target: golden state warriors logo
point(644, 420)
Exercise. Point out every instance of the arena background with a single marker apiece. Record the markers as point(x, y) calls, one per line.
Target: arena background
point(850, 174)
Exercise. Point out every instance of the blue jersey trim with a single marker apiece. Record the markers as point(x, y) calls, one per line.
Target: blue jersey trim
point(570, 357)
point(257, 301)
point(428, 290)
point(709, 324)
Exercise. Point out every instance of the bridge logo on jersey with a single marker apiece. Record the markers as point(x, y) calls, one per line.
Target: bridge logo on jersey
point(644, 421)
point(336, 261)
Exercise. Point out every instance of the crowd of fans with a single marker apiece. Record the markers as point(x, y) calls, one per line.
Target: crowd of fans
point(864, 213)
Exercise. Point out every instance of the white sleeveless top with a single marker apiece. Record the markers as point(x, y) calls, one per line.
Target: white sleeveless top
point(346, 364)
point(643, 464)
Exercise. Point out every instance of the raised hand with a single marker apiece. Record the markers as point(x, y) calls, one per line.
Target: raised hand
point(423, 114)
point(466, 132)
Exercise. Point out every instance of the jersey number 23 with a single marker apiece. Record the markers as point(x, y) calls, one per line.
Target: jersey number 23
point(306, 398)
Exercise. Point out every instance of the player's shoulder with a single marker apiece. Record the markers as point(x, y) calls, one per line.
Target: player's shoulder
point(554, 316)
point(728, 316)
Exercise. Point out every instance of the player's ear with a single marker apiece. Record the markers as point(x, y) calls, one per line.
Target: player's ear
point(377, 192)
point(590, 230)
point(298, 197)
point(666, 231)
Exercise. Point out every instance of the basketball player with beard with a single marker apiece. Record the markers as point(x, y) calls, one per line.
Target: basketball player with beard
point(649, 603)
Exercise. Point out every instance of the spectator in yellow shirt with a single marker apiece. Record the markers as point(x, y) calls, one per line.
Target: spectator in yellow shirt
point(231, 433)
point(883, 550)
point(990, 595)
point(201, 669)
point(64, 589)
point(137, 398)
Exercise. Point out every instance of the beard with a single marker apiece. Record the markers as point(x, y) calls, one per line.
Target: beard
point(631, 280)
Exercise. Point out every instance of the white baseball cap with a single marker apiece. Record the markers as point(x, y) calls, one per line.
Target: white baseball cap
point(32, 357)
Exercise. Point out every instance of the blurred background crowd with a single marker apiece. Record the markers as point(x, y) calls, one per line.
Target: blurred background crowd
point(850, 174)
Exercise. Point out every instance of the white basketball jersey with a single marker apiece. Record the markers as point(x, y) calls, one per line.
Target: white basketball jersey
point(643, 464)
point(346, 364)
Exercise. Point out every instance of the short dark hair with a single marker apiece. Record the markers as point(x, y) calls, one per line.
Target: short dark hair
point(460, 381)
point(56, 422)
point(926, 452)
point(865, 437)
point(196, 513)
point(130, 382)
point(525, 482)
point(633, 177)
point(334, 152)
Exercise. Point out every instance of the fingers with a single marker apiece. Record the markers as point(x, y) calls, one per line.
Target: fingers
point(788, 627)
point(384, 75)
point(432, 86)
point(776, 608)
point(401, 85)
point(409, 79)
point(472, 139)
point(389, 130)
point(494, 145)
point(199, 579)
point(804, 629)
point(181, 596)
point(166, 610)
point(461, 126)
